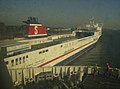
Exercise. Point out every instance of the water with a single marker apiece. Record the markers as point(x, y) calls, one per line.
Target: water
point(107, 50)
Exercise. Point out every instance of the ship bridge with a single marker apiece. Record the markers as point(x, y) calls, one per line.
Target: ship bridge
point(65, 77)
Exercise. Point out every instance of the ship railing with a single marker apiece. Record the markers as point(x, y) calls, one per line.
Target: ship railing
point(23, 76)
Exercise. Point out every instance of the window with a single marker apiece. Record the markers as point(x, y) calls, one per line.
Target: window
point(43, 51)
point(6, 62)
point(40, 52)
point(20, 60)
point(12, 62)
point(23, 60)
point(26, 56)
point(47, 50)
point(16, 61)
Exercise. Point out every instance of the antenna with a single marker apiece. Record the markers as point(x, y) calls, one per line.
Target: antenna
point(92, 23)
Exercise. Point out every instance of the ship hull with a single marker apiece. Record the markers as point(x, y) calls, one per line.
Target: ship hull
point(70, 55)
point(60, 54)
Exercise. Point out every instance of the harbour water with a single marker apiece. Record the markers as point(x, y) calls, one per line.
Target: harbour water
point(107, 50)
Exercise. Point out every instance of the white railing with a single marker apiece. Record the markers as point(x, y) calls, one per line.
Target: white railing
point(25, 75)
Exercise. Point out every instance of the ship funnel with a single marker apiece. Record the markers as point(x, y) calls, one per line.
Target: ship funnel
point(34, 28)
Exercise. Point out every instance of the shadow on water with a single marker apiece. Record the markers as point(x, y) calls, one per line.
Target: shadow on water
point(107, 50)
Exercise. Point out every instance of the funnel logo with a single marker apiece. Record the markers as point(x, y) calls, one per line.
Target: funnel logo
point(36, 30)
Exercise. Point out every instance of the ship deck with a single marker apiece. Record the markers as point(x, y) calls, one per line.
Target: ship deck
point(47, 44)
point(54, 42)
point(7, 43)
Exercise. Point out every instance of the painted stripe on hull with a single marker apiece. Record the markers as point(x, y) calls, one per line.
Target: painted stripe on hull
point(64, 54)
point(75, 56)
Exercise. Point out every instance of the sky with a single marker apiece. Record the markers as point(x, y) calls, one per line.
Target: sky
point(61, 13)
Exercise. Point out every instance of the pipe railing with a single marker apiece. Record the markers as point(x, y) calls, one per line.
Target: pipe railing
point(36, 74)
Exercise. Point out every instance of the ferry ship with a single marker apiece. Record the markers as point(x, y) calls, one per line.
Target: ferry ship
point(38, 49)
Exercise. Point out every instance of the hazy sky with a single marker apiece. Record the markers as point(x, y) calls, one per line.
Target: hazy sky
point(63, 13)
